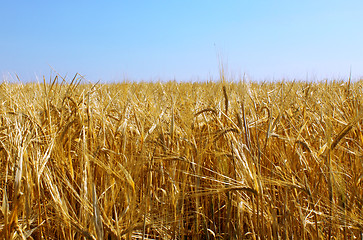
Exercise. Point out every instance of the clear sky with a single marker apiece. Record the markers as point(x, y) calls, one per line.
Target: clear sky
point(183, 40)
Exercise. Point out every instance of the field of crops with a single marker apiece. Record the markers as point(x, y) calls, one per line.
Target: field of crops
point(281, 160)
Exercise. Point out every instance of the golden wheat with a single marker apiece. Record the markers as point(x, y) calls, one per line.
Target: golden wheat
point(174, 160)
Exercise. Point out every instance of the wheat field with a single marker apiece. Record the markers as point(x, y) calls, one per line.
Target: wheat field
point(209, 160)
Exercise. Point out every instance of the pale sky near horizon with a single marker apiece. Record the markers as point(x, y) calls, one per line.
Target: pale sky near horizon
point(183, 40)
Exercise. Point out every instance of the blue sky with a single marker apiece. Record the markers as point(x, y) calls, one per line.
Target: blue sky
point(183, 40)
